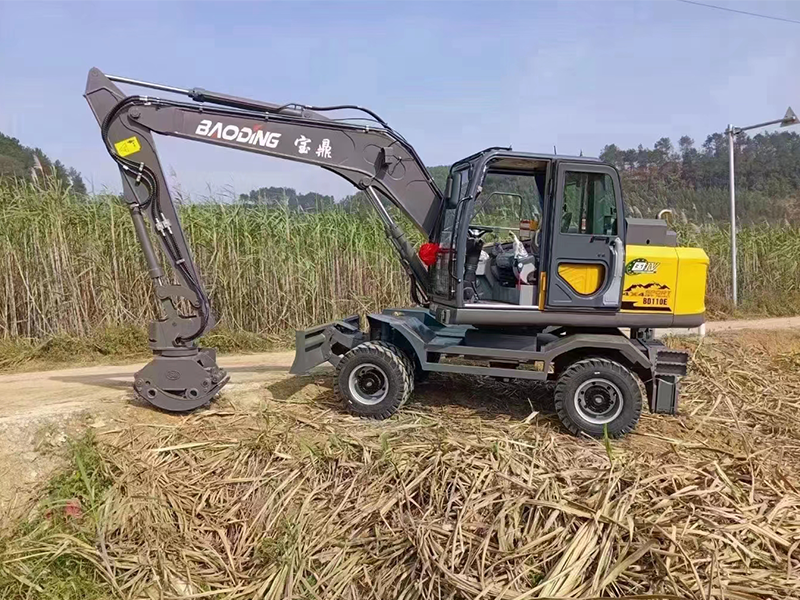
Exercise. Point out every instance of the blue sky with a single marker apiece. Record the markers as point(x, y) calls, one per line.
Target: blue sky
point(452, 77)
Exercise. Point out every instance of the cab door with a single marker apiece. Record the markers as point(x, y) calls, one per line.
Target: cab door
point(587, 241)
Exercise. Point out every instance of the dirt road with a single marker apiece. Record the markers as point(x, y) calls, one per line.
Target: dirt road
point(40, 410)
point(27, 396)
point(30, 396)
point(775, 323)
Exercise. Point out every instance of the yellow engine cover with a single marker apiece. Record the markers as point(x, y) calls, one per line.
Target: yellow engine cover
point(660, 279)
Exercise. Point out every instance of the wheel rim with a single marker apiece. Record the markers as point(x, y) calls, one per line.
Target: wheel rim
point(368, 384)
point(598, 401)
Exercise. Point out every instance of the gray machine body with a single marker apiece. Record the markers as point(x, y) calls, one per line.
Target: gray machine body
point(500, 339)
point(650, 232)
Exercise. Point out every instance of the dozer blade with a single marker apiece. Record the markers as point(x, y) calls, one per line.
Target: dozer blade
point(181, 383)
point(325, 343)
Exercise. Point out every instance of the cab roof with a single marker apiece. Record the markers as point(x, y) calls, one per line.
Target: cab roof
point(510, 159)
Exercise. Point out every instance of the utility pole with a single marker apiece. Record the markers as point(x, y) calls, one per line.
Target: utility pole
point(731, 131)
point(788, 119)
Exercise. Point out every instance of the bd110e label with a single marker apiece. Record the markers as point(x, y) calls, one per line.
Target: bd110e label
point(641, 266)
point(650, 296)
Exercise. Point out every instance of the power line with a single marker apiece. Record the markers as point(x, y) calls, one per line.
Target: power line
point(741, 12)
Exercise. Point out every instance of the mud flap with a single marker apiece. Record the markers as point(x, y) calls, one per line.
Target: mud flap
point(664, 397)
point(669, 366)
point(325, 343)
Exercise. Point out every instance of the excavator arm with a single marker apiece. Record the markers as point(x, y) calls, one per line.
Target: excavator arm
point(370, 155)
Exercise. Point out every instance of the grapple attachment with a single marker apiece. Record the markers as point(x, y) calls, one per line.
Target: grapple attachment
point(181, 383)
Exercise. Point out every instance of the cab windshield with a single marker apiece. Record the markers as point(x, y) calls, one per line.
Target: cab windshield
point(507, 203)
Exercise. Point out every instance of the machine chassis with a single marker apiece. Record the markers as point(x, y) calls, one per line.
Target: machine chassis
point(539, 355)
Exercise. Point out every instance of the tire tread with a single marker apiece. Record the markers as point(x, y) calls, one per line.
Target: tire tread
point(595, 363)
point(391, 354)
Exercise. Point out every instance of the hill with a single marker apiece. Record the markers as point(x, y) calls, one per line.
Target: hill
point(27, 163)
point(695, 180)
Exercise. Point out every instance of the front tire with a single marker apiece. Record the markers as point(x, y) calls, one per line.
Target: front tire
point(597, 394)
point(374, 380)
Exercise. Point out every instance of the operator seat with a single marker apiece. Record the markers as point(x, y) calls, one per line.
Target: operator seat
point(505, 267)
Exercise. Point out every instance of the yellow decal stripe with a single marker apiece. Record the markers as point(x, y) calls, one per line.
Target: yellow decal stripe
point(542, 286)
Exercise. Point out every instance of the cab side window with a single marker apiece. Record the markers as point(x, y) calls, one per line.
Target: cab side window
point(590, 204)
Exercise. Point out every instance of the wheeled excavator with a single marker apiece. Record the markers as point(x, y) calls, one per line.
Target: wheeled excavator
point(530, 270)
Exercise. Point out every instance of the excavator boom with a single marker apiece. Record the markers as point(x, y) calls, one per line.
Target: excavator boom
point(364, 154)
point(368, 153)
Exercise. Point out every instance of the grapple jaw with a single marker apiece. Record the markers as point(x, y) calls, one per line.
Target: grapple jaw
point(181, 382)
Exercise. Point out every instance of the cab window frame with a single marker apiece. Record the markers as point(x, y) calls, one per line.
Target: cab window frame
point(589, 169)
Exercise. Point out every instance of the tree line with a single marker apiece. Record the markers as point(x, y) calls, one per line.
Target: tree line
point(691, 180)
point(286, 197)
point(695, 180)
point(33, 164)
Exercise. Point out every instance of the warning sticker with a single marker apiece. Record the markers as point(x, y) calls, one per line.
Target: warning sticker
point(128, 147)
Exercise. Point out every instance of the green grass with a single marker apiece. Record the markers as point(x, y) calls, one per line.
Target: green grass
point(67, 515)
point(85, 480)
point(71, 266)
point(769, 268)
point(61, 578)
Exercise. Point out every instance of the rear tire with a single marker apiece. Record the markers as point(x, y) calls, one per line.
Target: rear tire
point(374, 379)
point(597, 393)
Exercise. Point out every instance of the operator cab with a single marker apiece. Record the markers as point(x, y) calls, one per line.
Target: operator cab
point(531, 231)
